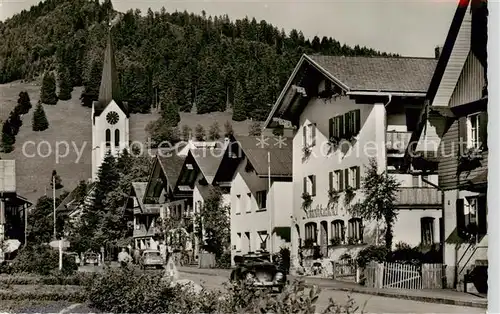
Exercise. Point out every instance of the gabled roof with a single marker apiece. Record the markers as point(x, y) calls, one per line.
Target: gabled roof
point(110, 83)
point(257, 153)
point(448, 50)
point(379, 74)
point(208, 161)
point(171, 165)
point(399, 75)
point(139, 190)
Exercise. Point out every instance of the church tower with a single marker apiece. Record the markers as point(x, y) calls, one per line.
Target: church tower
point(110, 115)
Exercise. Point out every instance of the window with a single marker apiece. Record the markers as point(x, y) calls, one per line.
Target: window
point(415, 181)
point(309, 134)
point(108, 137)
point(336, 127)
point(352, 177)
point(261, 199)
point(472, 215)
point(355, 230)
point(470, 211)
point(249, 243)
point(262, 240)
point(117, 138)
point(238, 204)
point(477, 130)
point(427, 230)
point(352, 123)
point(311, 232)
point(310, 185)
point(338, 180)
point(238, 242)
point(338, 230)
point(249, 202)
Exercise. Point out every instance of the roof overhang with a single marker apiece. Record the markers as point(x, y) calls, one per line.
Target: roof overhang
point(386, 93)
point(288, 93)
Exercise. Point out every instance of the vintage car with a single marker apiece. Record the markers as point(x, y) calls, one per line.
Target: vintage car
point(151, 258)
point(257, 270)
point(91, 258)
point(74, 256)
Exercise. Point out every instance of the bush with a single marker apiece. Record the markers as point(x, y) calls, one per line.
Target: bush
point(42, 260)
point(282, 258)
point(127, 290)
point(223, 261)
point(372, 253)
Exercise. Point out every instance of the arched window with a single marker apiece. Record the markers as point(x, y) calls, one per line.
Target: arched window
point(117, 138)
point(311, 232)
point(355, 230)
point(108, 137)
point(338, 232)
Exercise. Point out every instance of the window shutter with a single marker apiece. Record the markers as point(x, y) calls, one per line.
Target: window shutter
point(347, 119)
point(313, 186)
point(460, 218)
point(305, 185)
point(358, 178)
point(357, 121)
point(341, 180)
point(330, 176)
point(462, 129)
point(483, 129)
point(346, 177)
point(482, 215)
point(304, 135)
point(313, 134)
point(330, 128)
point(341, 123)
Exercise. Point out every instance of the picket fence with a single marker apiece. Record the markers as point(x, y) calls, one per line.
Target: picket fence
point(403, 276)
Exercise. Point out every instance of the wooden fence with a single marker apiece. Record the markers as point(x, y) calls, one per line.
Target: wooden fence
point(403, 276)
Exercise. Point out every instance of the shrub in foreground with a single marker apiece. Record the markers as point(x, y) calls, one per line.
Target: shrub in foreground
point(133, 291)
point(42, 260)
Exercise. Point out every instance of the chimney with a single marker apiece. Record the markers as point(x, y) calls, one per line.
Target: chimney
point(437, 52)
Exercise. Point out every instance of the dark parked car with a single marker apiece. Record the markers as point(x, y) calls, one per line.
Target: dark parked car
point(257, 270)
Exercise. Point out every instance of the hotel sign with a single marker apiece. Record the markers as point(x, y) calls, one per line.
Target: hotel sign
point(320, 211)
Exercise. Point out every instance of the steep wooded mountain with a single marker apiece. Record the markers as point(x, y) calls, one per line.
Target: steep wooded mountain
point(180, 59)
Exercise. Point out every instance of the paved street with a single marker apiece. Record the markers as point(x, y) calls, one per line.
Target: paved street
point(367, 303)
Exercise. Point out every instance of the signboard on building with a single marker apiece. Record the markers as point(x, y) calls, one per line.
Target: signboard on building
point(320, 211)
point(8, 176)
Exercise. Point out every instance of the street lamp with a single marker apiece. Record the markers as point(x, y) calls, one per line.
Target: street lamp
point(54, 203)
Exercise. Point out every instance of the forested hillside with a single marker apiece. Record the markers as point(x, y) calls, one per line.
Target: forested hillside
point(184, 60)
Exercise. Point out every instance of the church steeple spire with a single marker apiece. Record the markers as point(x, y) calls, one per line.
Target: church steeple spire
point(110, 85)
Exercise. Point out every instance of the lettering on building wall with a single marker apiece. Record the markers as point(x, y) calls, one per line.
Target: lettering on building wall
point(320, 211)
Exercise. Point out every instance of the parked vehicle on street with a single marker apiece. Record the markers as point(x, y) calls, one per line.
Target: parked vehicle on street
point(151, 258)
point(257, 270)
point(90, 258)
point(75, 256)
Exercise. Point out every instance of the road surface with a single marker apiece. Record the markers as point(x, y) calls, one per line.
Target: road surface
point(366, 303)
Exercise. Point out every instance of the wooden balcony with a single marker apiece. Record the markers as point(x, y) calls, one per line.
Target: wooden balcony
point(396, 142)
point(418, 197)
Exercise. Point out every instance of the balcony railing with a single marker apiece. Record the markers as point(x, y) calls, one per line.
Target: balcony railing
point(418, 196)
point(397, 142)
point(151, 200)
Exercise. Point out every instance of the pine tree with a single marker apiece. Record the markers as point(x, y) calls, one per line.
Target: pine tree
point(15, 121)
point(171, 114)
point(24, 102)
point(57, 180)
point(199, 133)
point(90, 92)
point(254, 129)
point(186, 133)
point(228, 129)
point(48, 92)
point(65, 87)
point(40, 122)
point(214, 132)
point(239, 106)
point(8, 139)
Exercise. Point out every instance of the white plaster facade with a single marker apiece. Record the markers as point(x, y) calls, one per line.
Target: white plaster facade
point(251, 225)
point(118, 134)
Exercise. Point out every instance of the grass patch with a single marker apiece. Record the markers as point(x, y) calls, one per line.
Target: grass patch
point(42, 293)
point(71, 122)
point(32, 306)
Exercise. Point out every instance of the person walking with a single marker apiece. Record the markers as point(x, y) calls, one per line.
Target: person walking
point(124, 258)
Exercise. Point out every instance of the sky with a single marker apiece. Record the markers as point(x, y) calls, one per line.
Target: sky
point(407, 27)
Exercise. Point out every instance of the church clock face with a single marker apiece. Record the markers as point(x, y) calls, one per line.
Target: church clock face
point(112, 117)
